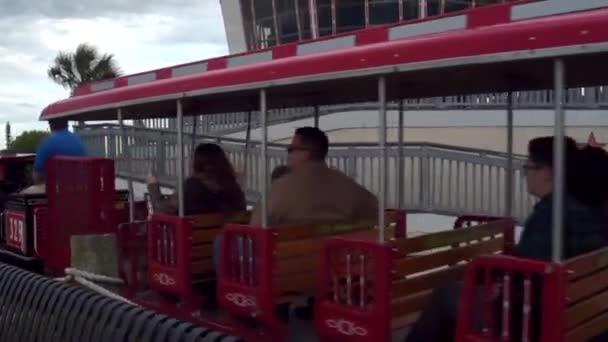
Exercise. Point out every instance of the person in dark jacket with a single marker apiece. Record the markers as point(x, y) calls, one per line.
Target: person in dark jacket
point(584, 226)
point(584, 229)
point(212, 188)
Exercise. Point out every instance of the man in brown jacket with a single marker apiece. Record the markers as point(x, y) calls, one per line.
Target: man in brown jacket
point(312, 192)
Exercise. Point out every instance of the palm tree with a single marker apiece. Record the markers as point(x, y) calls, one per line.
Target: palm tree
point(84, 65)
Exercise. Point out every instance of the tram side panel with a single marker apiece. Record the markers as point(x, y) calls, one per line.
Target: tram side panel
point(81, 201)
point(533, 300)
point(262, 268)
point(368, 290)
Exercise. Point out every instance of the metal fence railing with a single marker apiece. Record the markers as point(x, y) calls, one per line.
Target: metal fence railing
point(436, 178)
point(226, 123)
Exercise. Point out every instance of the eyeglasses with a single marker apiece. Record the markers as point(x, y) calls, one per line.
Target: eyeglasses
point(531, 167)
point(291, 149)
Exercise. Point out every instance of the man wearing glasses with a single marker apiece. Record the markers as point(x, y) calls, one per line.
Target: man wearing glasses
point(312, 192)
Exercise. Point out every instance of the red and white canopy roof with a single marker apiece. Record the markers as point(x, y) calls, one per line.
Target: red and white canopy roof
point(497, 48)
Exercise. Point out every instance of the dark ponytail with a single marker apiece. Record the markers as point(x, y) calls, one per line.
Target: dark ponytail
point(586, 169)
point(590, 176)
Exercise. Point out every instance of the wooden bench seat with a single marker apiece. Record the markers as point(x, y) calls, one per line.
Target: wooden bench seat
point(568, 301)
point(297, 251)
point(181, 252)
point(586, 296)
point(280, 265)
point(389, 291)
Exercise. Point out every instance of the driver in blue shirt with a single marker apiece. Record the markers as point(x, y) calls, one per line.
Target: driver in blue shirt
point(61, 142)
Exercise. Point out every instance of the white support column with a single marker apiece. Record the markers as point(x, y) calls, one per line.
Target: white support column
point(422, 7)
point(314, 19)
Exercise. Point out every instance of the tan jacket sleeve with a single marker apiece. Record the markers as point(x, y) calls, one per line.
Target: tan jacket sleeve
point(159, 204)
point(368, 205)
point(275, 205)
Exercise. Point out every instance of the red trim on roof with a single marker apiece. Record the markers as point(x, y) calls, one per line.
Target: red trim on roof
point(481, 16)
point(549, 32)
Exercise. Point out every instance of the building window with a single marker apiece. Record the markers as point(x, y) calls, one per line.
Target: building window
point(287, 20)
point(304, 12)
point(350, 15)
point(383, 11)
point(294, 22)
point(324, 17)
point(411, 9)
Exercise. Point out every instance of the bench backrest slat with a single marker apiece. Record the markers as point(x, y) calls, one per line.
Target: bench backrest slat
point(588, 330)
point(449, 238)
point(300, 232)
point(411, 304)
point(425, 281)
point(586, 295)
point(588, 263)
point(207, 220)
point(313, 246)
point(426, 262)
point(415, 264)
point(299, 272)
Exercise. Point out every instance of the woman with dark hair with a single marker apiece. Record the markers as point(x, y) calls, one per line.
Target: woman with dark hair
point(584, 226)
point(584, 229)
point(212, 188)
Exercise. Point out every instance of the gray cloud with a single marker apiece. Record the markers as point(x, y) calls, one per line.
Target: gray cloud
point(142, 34)
point(60, 9)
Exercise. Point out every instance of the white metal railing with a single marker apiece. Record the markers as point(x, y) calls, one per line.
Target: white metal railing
point(436, 178)
point(226, 123)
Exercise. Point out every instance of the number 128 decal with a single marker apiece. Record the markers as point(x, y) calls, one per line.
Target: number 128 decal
point(15, 230)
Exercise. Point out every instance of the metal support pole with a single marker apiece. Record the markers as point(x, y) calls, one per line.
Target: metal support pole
point(383, 159)
point(314, 20)
point(247, 146)
point(194, 125)
point(180, 159)
point(559, 172)
point(366, 4)
point(401, 168)
point(401, 10)
point(422, 8)
point(275, 21)
point(334, 21)
point(317, 116)
point(126, 150)
point(264, 169)
point(509, 173)
point(254, 26)
point(298, 19)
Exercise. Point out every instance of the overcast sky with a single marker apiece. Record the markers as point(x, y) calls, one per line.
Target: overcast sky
point(142, 34)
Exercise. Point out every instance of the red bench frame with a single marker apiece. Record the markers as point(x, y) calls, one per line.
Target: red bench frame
point(343, 322)
point(552, 276)
point(253, 297)
point(568, 289)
